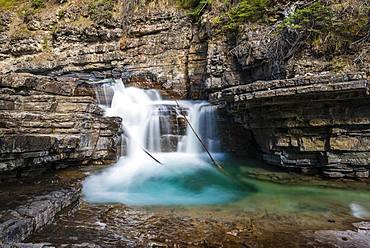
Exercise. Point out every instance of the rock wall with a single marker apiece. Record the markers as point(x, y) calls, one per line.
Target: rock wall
point(51, 122)
point(156, 47)
point(317, 123)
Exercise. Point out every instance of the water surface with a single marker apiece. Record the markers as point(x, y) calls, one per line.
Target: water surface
point(192, 182)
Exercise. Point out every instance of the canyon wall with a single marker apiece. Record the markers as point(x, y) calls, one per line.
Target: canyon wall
point(156, 47)
point(309, 124)
point(300, 110)
point(48, 123)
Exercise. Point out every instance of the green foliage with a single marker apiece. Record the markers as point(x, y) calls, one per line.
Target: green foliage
point(195, 7)
point(326, 28)
point(61, 14)
point(101, 10)
point(249, 10)
point(337, 65)
point(27, 14)
point(45, 43)
point(54, 28)
point(314, 18)
point(37, 4)
point(244, 11)
point(2, 25)
point(189, 4)
point(230, 15)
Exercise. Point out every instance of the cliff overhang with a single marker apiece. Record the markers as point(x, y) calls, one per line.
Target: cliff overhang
point(317, 123)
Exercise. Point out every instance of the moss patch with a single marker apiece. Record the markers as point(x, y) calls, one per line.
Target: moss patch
point(7, 4)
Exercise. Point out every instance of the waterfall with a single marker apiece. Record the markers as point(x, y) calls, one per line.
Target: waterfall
point(153, 142)
point(208, 127)
point(144, 119)
point(203, 119)
point(158, 126)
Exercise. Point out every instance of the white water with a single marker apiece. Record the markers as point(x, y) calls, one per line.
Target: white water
point(140, 110)
point(137, 178)
point(186, 176)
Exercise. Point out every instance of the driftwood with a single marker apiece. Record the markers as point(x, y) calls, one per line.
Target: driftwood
point(150, 155)
point(142, 148)
point(217, 165)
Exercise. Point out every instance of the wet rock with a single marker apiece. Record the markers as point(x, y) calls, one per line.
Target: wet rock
point(17, 224)
point(306, 122)
point(28, 245)
point(362, 226)
point(349, 238)
point(169, 142)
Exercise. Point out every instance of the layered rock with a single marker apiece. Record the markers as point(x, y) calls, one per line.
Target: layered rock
point(156, 45)
point(17, 224)
point(52, 122)
point(151, 48)
point(307, 123)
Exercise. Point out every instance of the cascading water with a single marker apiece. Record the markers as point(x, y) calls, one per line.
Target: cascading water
point(185, 175)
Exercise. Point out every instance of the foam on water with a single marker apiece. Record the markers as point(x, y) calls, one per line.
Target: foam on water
point(185, 176)
point(182, 179)
point(359, 211)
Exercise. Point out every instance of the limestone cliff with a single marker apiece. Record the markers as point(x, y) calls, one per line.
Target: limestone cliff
point(50, 122)
point(289, 72)
point(328, 135)
point(154, 46)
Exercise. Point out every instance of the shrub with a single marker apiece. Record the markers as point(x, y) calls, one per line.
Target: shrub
point(230, 15)
point(195, 7)
point(249, 10)
point(189, 4)
point(2, 25)
point(61, 14)
point(45, 43)
point(37, 4)
point(315, 18)
point(101, 10)
point(328, 30)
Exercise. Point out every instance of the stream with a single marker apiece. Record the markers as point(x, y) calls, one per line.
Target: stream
point(167, 192)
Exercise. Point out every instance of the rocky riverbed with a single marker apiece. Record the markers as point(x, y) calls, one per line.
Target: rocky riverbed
point(285, 216)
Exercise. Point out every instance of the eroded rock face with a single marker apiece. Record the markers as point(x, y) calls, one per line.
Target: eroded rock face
point(48, 121)
point(316, 123)
point(153, 48)
point(17, 224)
point(159, 46)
